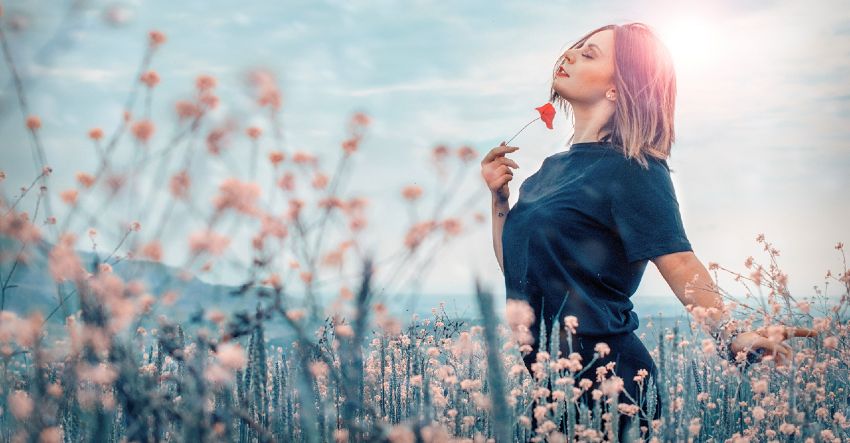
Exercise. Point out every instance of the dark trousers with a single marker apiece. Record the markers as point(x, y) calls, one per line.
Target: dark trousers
point(630, 355)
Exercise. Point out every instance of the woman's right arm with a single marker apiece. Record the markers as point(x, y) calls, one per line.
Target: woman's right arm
point(500, 211)
point(495, 169)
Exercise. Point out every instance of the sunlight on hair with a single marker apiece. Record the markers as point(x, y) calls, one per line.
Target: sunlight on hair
point(692, 42)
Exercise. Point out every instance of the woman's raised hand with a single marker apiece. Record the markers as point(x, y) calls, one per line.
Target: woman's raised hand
point(771, 339)
point(496, 170)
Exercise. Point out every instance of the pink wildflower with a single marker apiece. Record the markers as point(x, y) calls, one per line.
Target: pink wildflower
point(155, 38)
point(520, 316)
point(271, 98)
point(28, 331)
point(52, 434)
point(295, 206)
point(602, 348)
point(152, 250)
point(143, 130)
point(18, 225)
point(254, 132)
point(787, 428)
point(830, 342)
point(295, 314)
point(349, 146)
point(179, 184)
point(216, 316)
point(231, 355)
point(237, 195)
point(287, 182)
point(467, 154)
point(69, 196)
point(86, 180)
point(208, 241)
point(628, 409)
point(344, 330)
point(149, 78)
point(209, 100)
point(272, 226)
point(417, 233)
point(401, 434)
point(218, 375)
point(205, 82)
point(611, 387)
point(319, 369)
point(300, 157)
point(186, 109)
point(440, 152)
point(320, 181)
point(103, 373)
point(760, 386)
point(21, 404)
point(33, 123)
point(411, 192)
point(571, 323)
point(360, 119)
point(275, 157)
point(63, 262)
point(452, 226)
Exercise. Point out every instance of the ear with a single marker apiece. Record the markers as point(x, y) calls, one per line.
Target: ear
point(611, 94)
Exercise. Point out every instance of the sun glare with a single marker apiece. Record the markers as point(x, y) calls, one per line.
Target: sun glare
point(692, 43)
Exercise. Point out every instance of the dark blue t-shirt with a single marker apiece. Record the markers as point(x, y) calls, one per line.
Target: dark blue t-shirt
point(584, 227)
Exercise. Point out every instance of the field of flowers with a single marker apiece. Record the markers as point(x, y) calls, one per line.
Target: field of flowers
point(122, 367)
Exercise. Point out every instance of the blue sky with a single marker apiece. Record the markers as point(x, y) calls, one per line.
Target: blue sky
point(762, 111)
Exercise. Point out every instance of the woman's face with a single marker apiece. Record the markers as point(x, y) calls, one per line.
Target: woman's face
point(589, 70)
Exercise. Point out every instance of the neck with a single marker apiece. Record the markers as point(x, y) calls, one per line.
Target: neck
point(589, 119)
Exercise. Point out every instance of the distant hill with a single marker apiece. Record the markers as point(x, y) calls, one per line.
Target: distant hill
point(34, 289)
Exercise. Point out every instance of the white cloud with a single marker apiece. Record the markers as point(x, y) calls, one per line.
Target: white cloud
point(77, 73)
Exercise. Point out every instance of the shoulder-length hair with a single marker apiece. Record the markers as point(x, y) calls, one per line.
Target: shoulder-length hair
point(642, 123)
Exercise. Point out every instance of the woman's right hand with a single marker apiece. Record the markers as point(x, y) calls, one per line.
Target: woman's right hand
point(495, 169)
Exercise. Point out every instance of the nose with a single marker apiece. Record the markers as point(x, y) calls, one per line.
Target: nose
point(568, 57)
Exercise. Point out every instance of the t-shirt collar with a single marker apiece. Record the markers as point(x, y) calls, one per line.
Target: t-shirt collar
point(590, 145)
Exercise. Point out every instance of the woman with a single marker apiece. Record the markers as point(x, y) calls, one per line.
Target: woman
point(585, 225)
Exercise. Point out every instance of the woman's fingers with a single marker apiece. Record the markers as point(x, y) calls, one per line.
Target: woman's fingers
point(502, 180)
point(507, 161)
point(802, 332)
point(785, 332)
point(498, 151)
point(781, 352)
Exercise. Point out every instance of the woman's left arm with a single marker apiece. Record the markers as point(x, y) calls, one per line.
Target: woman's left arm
point(692, 284)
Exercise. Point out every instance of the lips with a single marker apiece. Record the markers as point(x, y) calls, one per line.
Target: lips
point(561, 72)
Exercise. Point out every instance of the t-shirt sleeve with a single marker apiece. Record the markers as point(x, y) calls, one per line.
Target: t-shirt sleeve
point(645, 211)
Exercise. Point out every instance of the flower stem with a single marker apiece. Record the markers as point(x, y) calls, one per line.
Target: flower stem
point(508, 142)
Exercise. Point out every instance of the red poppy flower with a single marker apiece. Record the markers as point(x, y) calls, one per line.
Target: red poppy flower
point(547, 114)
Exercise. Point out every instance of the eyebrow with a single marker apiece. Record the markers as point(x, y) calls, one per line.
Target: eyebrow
point(593, 45)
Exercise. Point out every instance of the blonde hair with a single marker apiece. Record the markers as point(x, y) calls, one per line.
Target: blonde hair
point(642, 123)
